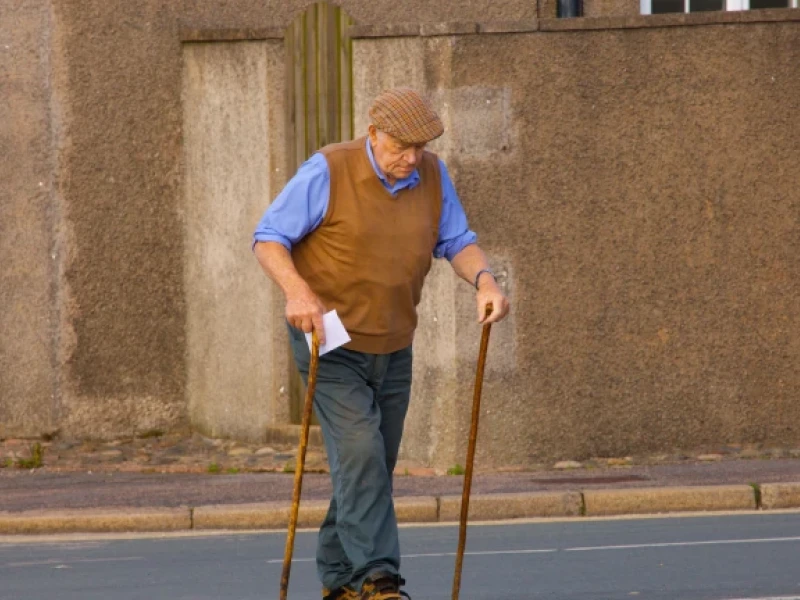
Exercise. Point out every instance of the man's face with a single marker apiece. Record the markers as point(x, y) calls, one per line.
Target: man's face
point(396, 159)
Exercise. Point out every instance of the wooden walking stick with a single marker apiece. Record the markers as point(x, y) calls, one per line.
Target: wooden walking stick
point(473, 437)
point(300, 463)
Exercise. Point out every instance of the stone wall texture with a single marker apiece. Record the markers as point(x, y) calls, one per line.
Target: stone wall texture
point(255, 14)
point(119, 174)
point(635, 188)
point(28, 208)
point(233, 159)
point(643, 187)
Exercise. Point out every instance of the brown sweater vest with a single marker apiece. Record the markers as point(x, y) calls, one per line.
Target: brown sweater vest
point(370, 255)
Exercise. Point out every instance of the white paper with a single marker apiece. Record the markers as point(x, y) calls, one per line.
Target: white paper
point(335, 333)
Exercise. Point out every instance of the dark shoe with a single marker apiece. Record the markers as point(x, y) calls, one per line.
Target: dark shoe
point(342, 593)
point(383, 586)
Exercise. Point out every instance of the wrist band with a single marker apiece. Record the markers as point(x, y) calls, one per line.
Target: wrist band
point(481, 272)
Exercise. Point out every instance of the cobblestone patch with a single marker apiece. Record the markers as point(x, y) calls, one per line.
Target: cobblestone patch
point(165, 453)
point(157, 452)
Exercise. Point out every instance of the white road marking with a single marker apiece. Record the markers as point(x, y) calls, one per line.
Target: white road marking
point(484, 553)
point(55, 561)
point(697, 543)
point(592, 549)
point(442, 554)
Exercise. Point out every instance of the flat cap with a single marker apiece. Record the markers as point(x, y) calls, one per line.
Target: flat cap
point(404, 114)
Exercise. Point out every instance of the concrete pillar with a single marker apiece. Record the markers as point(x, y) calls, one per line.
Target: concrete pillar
point(29, 213)
point(234, 165)
point(447, 339)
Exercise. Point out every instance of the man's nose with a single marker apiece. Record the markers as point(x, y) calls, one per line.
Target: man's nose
point(411, 157)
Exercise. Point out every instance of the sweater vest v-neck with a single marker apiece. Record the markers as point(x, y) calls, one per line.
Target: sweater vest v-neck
point(369, 257)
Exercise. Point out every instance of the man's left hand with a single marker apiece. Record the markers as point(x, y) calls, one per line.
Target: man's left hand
point(489, 293)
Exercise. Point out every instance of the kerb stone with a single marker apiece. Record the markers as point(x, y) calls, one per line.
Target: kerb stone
point(92, 521)
point(490, 507)
point(266, 515)
point(416, 509)
point(780, 495)
point(665, 500)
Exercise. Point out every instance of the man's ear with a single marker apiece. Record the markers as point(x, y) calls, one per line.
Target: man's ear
point(373, 133)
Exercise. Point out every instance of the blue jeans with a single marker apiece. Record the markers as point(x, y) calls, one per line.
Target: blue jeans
point(361, 402)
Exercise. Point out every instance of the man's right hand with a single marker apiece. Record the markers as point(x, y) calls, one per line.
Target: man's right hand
point(304, 311)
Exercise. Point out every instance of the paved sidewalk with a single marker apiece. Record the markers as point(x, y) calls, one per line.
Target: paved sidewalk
point(23, 490)
point(193, 483)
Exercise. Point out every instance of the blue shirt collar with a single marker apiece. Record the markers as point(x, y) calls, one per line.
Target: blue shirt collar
point(401, 184)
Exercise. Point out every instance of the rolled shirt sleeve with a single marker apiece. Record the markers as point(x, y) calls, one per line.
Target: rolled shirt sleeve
point(454, 232)
point(299, 208)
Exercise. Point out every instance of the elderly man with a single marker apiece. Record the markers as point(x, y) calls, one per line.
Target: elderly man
point(355, 230)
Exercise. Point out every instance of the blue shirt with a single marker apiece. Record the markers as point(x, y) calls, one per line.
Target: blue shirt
point(300, 207)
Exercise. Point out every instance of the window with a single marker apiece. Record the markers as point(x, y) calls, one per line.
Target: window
point(756, 4)
point(656, 7)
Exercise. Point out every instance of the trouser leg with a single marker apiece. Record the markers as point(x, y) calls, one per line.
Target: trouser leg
point(359, 535)
point(393, 398)
point(334, 569)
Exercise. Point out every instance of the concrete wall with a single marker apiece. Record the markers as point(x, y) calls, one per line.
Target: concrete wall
point(233, 165)
point(255, 14)
point(636, 189)
point(640, 189)
point(123, 366)
point(97, 341)
point(446, 345)
point(28, 209)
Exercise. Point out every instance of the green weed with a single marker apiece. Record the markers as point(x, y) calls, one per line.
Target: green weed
point(35, 461)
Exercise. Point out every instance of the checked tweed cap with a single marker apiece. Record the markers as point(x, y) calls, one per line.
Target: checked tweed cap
point(404, 114)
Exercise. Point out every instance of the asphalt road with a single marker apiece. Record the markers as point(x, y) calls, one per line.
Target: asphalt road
point(686, 558)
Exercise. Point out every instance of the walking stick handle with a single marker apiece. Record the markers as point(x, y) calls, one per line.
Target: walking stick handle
point(300, 464)
point(473, 438)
